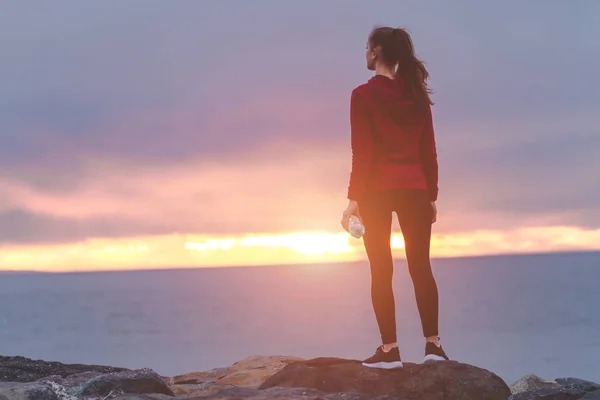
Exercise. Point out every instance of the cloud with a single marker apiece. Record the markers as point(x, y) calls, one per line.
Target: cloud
point(281, 187)
point(276, 189)
point(19, 227)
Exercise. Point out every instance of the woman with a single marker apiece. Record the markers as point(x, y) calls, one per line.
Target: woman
point(394, 169)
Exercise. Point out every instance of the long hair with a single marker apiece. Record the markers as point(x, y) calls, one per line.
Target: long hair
point(397, 50)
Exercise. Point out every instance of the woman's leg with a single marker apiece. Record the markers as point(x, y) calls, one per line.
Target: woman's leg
point(376, 215)
point(415, 215)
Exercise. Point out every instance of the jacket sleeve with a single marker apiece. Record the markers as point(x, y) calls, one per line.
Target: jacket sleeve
point(362, 146)
point(428, 156)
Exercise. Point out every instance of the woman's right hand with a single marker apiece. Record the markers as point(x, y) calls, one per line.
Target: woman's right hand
point(434, 212)
point(352, 209)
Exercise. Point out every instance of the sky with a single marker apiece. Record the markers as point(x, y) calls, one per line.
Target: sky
point(147, 133)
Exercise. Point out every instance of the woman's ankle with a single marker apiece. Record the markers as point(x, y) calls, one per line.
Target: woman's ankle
point(389, 346)
point(433, 339)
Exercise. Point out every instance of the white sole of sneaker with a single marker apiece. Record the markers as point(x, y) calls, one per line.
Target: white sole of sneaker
point(433, 357)
point(385, 365)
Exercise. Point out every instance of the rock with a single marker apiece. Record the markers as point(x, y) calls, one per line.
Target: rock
point(277, 393)
point(152, 396)
point(531, 382)
point(202, 389)
point(578, 384)
point(21, 369)
point(26, 391)
point(552, 393)
point(281, 378)
point(250, 372)
point(72, 380)
point(447, 380)
point(197, 377)
point(567, 389)
point(288, 393)
point(136, 381)
point(253, 371)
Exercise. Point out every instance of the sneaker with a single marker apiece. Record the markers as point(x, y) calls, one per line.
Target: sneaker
point(385, 360)
point(434, 353)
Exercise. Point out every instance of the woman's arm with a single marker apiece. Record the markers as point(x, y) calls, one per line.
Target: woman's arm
point(428, 155)
point(362, 146)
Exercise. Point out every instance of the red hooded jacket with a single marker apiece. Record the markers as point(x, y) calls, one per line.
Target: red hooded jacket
point(393, 144)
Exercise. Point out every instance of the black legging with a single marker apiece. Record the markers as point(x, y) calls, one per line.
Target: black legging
point(414, 213)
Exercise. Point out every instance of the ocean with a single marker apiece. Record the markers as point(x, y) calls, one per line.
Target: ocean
point(512, 315)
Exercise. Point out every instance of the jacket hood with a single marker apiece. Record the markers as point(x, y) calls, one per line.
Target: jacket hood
point(387, 87)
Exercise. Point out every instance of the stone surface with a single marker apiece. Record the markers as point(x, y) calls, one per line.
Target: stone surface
point(253, 371)
point(578, 384)
point(151, 396)
point(250, 372)
point(288, 393)
point(27, 391)
point(531, 382)
point(72, 380)
point(281, 378)
point(567, 389)
point(21, 369)
point(197, 377)
point(448, 380)
point(135, 381)
point(202, 389)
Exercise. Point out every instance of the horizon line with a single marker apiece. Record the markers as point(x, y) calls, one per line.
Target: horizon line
point(297, 264)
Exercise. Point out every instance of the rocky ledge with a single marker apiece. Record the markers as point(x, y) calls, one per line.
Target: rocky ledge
point(279, 377)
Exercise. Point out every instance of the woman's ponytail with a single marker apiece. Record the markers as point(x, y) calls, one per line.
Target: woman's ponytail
point(398, 51)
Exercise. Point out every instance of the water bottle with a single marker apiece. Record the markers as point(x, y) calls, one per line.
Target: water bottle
point(356, 227)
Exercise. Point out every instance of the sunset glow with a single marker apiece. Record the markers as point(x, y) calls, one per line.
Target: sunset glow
point(301, 247)
point(291, 215)
point(126, 144)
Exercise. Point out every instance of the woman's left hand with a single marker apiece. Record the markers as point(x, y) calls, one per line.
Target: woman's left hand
point(352, 209)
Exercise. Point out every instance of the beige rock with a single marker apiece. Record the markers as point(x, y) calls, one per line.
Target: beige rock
point(197, 377)
point(204, 389)
point(251, 372)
